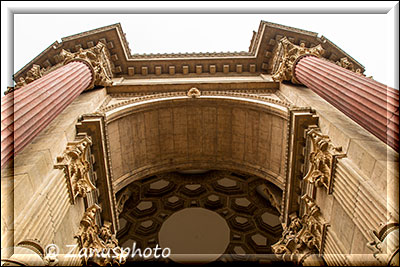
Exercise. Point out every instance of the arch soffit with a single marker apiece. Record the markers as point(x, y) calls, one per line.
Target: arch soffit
point(223, 132)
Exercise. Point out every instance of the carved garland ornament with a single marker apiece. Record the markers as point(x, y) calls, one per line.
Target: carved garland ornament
point(322, 158)
point(303, 236)
point(98, 245)
point(97, 59)
point(287, 56)
point(75, 162)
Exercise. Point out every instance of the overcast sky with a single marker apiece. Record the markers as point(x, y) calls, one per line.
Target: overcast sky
point(368, 38)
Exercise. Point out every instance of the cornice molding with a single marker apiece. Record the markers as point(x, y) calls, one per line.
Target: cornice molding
point(125, 64)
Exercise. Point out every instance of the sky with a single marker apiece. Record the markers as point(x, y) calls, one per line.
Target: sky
point(368, 38)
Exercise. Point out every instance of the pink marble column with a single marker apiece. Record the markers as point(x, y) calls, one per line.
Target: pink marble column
point(28, 110)
point(371, 104)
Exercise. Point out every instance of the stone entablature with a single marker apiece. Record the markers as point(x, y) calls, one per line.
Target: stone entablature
point(124, 64)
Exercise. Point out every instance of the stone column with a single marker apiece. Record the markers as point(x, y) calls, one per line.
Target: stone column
point(27, 111)
point(371, 104)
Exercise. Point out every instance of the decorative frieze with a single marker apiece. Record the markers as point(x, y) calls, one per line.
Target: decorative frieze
point(76, 164)
point(97, 58)
point(98, 245)
point(286, 57)
point(303, 236)
point(322, 159)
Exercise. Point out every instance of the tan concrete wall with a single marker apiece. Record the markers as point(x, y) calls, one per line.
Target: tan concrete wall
point(365, 185)
point(38, 197)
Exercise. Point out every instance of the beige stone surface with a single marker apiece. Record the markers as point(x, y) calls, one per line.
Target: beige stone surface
point(211, 133)
point(39, 192)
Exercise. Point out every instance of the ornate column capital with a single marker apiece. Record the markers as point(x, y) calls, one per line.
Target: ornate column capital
point(98, 244)
point(97, 58)
point(303, 236)
point(286, 57)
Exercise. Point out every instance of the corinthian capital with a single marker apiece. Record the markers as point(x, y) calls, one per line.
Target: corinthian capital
point(303, 236)
point(97, 58)
point(98, 245)
point(286, 57)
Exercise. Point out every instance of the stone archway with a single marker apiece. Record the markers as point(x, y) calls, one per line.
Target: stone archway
point(154, 142)
point(210, 132)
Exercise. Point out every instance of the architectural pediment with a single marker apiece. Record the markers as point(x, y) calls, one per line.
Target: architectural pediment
point(258, 59)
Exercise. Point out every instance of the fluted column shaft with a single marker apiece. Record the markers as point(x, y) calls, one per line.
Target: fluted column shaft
point(369, 103)
point(28, 110)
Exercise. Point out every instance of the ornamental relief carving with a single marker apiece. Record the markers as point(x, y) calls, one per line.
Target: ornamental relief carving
point(286, 57)
point(322, 159)
point(122, 198)
point(98, 244)
point(303, 236)
point(76, 164)
point(345, 63)
point(194, 93)
point(97, 58)
point(33, 74)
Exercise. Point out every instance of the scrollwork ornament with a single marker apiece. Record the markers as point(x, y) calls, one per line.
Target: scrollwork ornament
point(302, 236)
point(75, 162)
point(99, 244)
point(322, 159)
